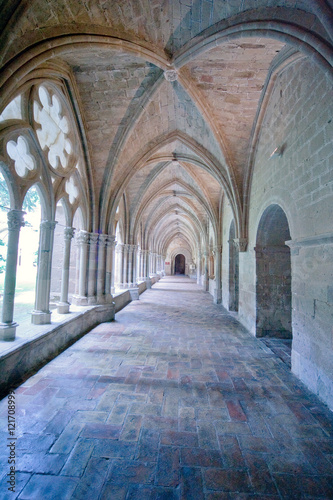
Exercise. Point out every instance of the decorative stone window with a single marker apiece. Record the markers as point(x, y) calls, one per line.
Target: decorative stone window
point(54, 130)
point(13, 110)
point(71, 190)
point(19, 152)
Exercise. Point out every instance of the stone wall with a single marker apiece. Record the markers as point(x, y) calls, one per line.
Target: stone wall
point(299, 117)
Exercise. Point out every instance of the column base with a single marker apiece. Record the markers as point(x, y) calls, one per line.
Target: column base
point(104, 299)
point(134, 293)
point(79, 300)
point(63, 307)
point(40, 317)
point(217, 296)
point(8, 331)
point(148, 284)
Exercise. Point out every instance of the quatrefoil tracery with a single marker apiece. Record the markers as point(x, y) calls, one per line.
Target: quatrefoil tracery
point(54, 130)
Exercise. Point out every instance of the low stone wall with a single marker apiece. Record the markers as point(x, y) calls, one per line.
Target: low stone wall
point(22, 361)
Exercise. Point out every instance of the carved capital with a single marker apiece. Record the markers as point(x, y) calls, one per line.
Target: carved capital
point(47, 225)
point(15, 220)
point(69, 233)
point(83, 238)
point(93, 238)
point(102, 239)
point(110, 240)
point(241, 243)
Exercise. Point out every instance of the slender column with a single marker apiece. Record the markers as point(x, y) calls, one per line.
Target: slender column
point(7, 325)
point(82, 242)
point(130, 265)
point(92, 271)
point(110, 265)
point(218, 291)
point(41, 315)
point(144, 263)
point(119, 256)
point(101, 267)
point(206, 278)
point(135, 264)
point(63, 306)
point(199, 269)
point(125, 266)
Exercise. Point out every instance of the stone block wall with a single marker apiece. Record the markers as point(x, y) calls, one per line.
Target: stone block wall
point(299, 117)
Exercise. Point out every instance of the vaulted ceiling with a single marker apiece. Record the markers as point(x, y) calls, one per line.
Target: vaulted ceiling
point(170, 95)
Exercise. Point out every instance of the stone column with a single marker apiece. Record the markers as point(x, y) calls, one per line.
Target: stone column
point(7, 325)
point(82, 242)
point(140, 267)
point(199, 268)
point(218, 291)
point(125, 266)
point(110, 265)
point(135, 264)
point(92, 268)
point(101, 268)
point(130, 265)
point(206, 275)
point(119, 250)
point(63, 306)
point(148, 264)
point(41, 315)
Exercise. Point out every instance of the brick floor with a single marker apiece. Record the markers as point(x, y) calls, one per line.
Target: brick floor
point(173, 400)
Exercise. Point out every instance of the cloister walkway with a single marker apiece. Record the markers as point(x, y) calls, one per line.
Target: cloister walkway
point(174, 399)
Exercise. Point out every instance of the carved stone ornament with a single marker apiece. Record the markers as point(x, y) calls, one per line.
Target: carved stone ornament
point(171, 75)
point(15, 220)
point(241, 244)
point(69, 233)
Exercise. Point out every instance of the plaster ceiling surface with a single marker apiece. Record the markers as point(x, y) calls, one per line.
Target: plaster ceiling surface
point(135, 117)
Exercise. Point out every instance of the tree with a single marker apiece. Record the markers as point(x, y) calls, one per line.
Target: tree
point(31, 202)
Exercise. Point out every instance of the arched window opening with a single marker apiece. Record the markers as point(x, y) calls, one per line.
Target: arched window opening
point(4, 209)
point(273, 267)
point(180, 264)
point(74, 268)
point(233, 270)
point(28, 253)
point(58, 254)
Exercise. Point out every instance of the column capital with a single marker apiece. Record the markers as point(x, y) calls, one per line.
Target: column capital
point(241, 243)
point(93, 238)
point(103, 239)
point(15, 219)
point(48, 224)
point(217, 249)
point(69, 233)
point(83, 237)
point(110, 240)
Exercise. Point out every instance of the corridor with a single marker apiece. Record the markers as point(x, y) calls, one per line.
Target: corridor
point(172, 400)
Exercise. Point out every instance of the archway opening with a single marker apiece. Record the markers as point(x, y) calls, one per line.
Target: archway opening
point(233, 270)
point(180, 264)
point(273, 267)
point(28, 253)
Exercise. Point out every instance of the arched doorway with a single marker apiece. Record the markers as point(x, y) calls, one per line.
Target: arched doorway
point(180, 264)
point(273, 267)
point(233, 270)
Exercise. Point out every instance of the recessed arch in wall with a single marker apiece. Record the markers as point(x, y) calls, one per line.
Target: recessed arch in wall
point(273, 280)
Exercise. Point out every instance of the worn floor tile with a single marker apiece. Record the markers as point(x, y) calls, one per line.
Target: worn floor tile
point(173, 400)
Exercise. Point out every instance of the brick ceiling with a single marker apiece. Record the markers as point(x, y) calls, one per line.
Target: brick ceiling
point(136, 121)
